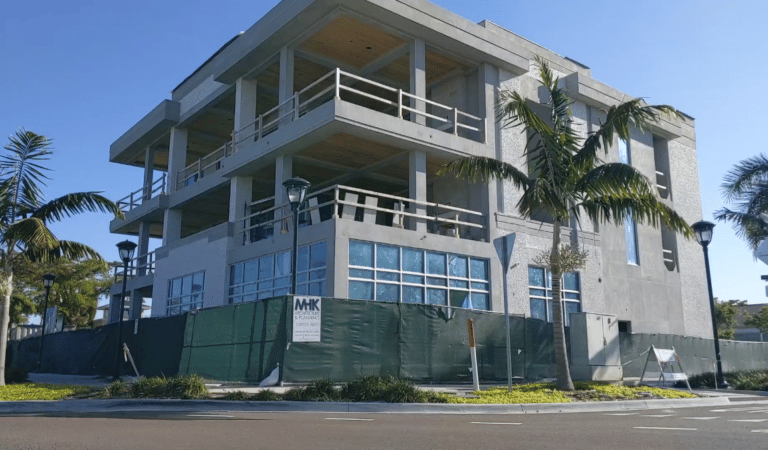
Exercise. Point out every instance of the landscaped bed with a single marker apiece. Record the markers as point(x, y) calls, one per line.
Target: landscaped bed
point(31, 391)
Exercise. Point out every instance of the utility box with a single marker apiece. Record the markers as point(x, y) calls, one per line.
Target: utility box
point(595, 351)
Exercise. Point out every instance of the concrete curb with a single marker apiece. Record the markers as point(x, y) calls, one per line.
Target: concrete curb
point(114, 406)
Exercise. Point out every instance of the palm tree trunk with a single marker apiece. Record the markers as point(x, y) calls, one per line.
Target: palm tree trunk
point(6, 285)
point(564, 382)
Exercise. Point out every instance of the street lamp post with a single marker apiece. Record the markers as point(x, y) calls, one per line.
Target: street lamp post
point(126, 249)
point(703, 232)
point(296, 189)
point(48, 280)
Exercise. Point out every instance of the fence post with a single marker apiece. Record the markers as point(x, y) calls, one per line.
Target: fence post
point(485, 131)
point(338, 84)
point(399, 103)
point(455, 121)
point(336, 202)
point(261, 122)
point(296, 106)
point(162, 184)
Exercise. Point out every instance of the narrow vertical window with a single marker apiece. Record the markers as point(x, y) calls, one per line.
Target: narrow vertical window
point(630, 227)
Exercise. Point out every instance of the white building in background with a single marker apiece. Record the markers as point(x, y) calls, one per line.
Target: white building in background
point(367, 99)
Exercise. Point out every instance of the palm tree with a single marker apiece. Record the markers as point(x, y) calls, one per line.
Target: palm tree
point(567, 179)
point(24, 218)
point(746, 186)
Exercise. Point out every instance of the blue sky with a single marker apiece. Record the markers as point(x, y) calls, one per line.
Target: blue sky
point(83, 72)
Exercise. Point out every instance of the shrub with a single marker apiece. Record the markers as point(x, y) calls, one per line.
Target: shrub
point(237, 396)
point(366, 388)
point(267, 396)
point(16, 375)
point(117, 388)
point(753, 380)
point(319, 391)
point(184, 387)
point(188, 387)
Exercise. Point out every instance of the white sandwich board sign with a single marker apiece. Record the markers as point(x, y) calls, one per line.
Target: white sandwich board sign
point(307, 319)
point(666, 359)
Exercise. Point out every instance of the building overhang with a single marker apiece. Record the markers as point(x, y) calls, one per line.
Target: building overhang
point(291, 21)
point(599, 95)
point(128, 147)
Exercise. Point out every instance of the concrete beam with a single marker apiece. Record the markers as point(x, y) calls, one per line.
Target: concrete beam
point(149, 129)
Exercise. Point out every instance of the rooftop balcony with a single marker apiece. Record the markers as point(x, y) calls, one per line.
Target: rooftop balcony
point(144, 204)
point(347, 87)
point(265, 219)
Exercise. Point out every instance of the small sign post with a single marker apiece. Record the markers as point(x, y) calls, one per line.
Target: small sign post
point(473, 354)
point(666, 359)
point(307, 318)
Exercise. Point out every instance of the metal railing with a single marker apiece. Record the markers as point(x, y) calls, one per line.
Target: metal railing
point(139, 196)
point(440, 117)
point(264, 219)
point(138, 266)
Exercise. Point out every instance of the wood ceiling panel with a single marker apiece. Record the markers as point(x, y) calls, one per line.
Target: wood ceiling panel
point(439, 65)
point(399, 71)
point(350, 151)
point(351, 41)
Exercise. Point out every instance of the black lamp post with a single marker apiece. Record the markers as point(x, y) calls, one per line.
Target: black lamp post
point(297, 190)
point(703, 232)
point(48, 280)
point(126, 249)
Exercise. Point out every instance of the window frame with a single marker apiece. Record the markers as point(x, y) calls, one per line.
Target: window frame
point(547, 298)
point(174, 307)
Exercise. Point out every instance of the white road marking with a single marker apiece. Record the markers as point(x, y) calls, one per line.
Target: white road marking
point(753, 408)
point(621, 414)
point(350, 420)
point(210, 415)
point(496, 423)
point(760, 431)
point(749, 420)
point(659, 415)
point(700, 418)
point(663, 428)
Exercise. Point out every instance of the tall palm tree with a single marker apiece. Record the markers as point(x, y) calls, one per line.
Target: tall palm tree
point(746, 187)
point(567, 179)
point(24, 218)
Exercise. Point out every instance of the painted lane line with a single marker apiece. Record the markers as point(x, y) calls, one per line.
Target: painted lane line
point(659, 415)
point(211, 415)
point(749, 420)
point(700, 418)
point(663, 428)
point(496, 423)
point(349, 420)
point(753, 408)
point(760, 431)
point(621, 414)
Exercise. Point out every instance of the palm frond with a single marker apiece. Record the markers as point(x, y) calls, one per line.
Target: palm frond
point(76, 203)
point(614, 179)
point(70, 250)
point(746, 177)
point(643, 209)
point(31, 232)
point(22, 173)
point(752, 228)
point(485, 169)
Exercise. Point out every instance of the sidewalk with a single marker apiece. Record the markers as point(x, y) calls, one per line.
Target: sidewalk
point(712, 398)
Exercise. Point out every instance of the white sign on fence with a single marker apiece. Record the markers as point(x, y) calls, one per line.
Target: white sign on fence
point(307, 318)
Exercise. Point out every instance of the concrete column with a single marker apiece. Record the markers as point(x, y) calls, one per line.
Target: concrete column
point(286, 89)
point(177, 156)
point(171, 226)
point(114, 308)
point(142, 248)
point(417, 188)
point(134, 312)
point(245, 110)
point(491, 201)
point(149, 172)
point(240, 195)
point(283, 172)
point(418, 53)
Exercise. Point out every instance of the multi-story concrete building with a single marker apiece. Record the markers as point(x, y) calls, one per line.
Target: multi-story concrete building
point(367, 99)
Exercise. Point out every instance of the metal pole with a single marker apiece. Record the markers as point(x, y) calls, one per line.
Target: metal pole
point(720, 380)
point(42, 335)
point(120, 322)
point(506, 315)
point(295, 268)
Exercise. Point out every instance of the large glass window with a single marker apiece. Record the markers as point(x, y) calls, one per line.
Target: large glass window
point(270, 276)
point(540, 292)
point(630, 227)
point(185, 293)
point(400, 274)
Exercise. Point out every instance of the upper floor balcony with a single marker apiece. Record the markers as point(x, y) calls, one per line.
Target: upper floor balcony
point(358, 92)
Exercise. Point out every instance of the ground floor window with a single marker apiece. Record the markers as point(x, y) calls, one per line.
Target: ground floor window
point(540, 292)
point(185, 293)
point(401, 274)
point(270, 276)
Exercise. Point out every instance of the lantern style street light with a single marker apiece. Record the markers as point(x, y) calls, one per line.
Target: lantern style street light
point(48, 280)
point(126, 249)
point(703, 232)
point(296, 188)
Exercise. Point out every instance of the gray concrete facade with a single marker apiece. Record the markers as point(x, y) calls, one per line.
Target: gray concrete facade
point(370, 134)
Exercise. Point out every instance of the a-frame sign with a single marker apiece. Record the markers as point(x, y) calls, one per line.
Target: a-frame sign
point(666, 360)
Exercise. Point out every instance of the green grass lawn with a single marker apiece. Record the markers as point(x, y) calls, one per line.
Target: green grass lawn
point(546, 393)
point(31, 391)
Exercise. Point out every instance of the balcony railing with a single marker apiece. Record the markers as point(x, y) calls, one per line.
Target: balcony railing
point(349, 87)
point(137, 267)
point(264, 219)
point(139, 196)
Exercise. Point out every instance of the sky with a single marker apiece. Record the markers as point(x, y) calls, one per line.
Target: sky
point(84, 72)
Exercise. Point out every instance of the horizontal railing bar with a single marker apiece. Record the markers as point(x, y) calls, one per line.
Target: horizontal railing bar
point(365, 80)
point(467, 127)
point(409, 214)
point(323, 92)
point(428, 115)
point(325, 77)
point(371, 96)
point(409, 200)
point(462, 113)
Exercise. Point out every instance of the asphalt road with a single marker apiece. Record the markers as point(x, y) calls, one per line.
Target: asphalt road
point(736, 426)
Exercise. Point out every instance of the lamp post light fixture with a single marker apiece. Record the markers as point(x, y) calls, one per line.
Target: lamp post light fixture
point(296, 188)
point(703, 232)
point(48, 280)
point(126, 249)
